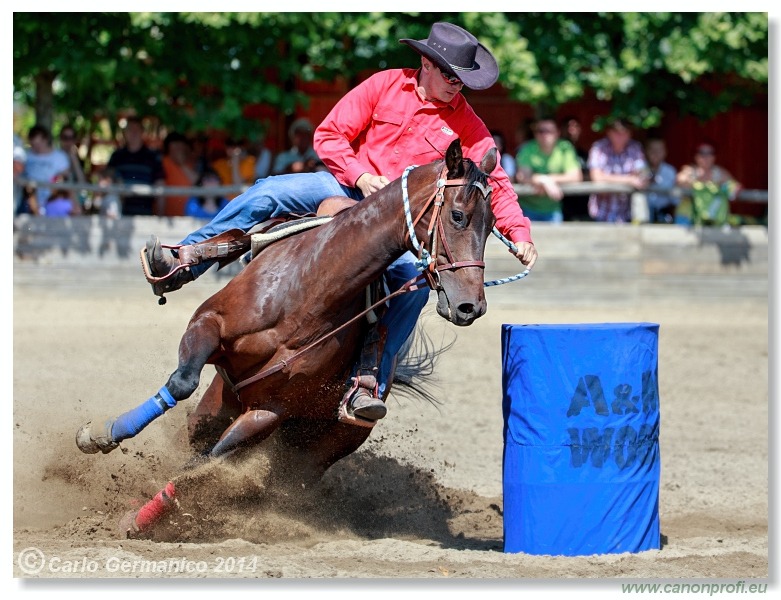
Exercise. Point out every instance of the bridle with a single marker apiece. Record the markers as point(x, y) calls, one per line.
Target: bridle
point(428, 260)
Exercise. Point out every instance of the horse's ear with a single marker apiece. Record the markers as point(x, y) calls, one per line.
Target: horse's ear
point(488, 164)
point(454, 159)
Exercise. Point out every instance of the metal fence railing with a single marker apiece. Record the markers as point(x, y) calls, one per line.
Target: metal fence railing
point(569, 189)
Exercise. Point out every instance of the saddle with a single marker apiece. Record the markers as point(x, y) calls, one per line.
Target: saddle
point(230, 245)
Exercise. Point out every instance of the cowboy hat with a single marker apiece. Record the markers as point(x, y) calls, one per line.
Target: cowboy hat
point(457, 52)
point(302, 124)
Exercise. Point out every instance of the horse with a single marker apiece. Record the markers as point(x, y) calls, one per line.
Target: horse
point(285, 332)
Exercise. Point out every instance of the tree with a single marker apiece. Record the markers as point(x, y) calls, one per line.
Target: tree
point(643, 63)
point(199, 70)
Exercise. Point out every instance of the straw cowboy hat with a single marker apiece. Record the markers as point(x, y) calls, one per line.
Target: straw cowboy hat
point(457, 52)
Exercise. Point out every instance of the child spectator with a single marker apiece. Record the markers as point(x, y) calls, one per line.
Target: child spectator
point(61, 203)
point(661, 205)
point(209, 204)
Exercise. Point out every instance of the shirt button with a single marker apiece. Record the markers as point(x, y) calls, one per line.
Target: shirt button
point(395, 151)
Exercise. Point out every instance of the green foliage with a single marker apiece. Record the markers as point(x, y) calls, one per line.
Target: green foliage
point(199, 70)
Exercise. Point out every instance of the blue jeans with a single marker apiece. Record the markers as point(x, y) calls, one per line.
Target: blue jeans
point(302, 193)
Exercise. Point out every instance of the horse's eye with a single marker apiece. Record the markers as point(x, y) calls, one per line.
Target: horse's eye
point(457, 215)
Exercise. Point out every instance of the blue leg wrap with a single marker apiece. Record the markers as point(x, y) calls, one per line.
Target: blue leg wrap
point(132, 422)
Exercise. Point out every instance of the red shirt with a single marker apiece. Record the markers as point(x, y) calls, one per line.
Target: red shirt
point(382, 126)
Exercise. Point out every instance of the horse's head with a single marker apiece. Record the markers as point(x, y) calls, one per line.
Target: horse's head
point(457, 233)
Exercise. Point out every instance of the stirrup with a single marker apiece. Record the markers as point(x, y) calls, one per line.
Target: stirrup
point(344, 414)
point(170, 282)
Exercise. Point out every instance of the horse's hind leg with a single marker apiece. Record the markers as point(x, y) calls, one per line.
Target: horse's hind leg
point(253, 425)
point(198, 343)
point(216, 410)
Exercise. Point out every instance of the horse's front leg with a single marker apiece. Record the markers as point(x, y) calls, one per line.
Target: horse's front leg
point(199, 342)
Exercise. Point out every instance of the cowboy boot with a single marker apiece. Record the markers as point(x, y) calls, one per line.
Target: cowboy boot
point(161, 264)
point(365, 405)
point(362, 399)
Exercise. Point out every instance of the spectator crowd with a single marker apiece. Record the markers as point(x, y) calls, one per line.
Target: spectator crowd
point(181, 161)
point(547, 156)
point(552, 157)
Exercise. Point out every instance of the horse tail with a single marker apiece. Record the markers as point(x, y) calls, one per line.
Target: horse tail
point(415, 366)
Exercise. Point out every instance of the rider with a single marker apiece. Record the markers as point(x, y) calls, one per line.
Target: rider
point(394, 119)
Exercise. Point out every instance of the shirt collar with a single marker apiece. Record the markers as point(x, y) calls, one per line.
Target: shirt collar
point(411, 82)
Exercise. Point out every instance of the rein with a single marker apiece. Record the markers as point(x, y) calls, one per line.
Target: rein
point(410, 286)
point(425, 263)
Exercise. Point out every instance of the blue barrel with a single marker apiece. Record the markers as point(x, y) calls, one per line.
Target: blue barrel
point(581, 438)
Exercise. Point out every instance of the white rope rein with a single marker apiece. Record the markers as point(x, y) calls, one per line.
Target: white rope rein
point(426, 259)
point(514, 250)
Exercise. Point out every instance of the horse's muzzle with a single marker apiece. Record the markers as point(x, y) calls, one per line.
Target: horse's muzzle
point(459, 313)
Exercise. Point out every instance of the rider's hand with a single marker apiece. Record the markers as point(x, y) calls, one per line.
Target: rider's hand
point(527, 253)
point(368, 184)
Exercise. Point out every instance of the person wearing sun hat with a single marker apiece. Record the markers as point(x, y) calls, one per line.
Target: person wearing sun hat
point(394, 119)
point(459, 54)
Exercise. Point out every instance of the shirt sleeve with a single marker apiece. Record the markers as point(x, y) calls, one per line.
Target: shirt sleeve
point(157, 168)
point(524, 157)
point(597, 159)
point(668, 175)
point(334, 137)
point(62, 162)
point(510, 220)
point(571, 162)
point(638, 155)
point(280, 163)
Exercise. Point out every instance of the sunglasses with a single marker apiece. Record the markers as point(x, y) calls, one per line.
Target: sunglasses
point(544, 130)
point(705, 152)
point(451, 79)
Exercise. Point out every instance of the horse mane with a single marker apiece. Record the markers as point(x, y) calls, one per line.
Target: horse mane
point(474, 174)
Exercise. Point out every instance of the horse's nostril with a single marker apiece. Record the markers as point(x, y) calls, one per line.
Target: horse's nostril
point(466, 308)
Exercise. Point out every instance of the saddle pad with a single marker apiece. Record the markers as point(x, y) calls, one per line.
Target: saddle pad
point(283, 230)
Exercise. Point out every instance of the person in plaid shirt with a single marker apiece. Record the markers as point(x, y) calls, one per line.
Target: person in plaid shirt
point(616, 158)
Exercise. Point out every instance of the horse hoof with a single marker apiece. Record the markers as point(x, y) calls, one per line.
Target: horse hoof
point(138, 523)
point(90, 444)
